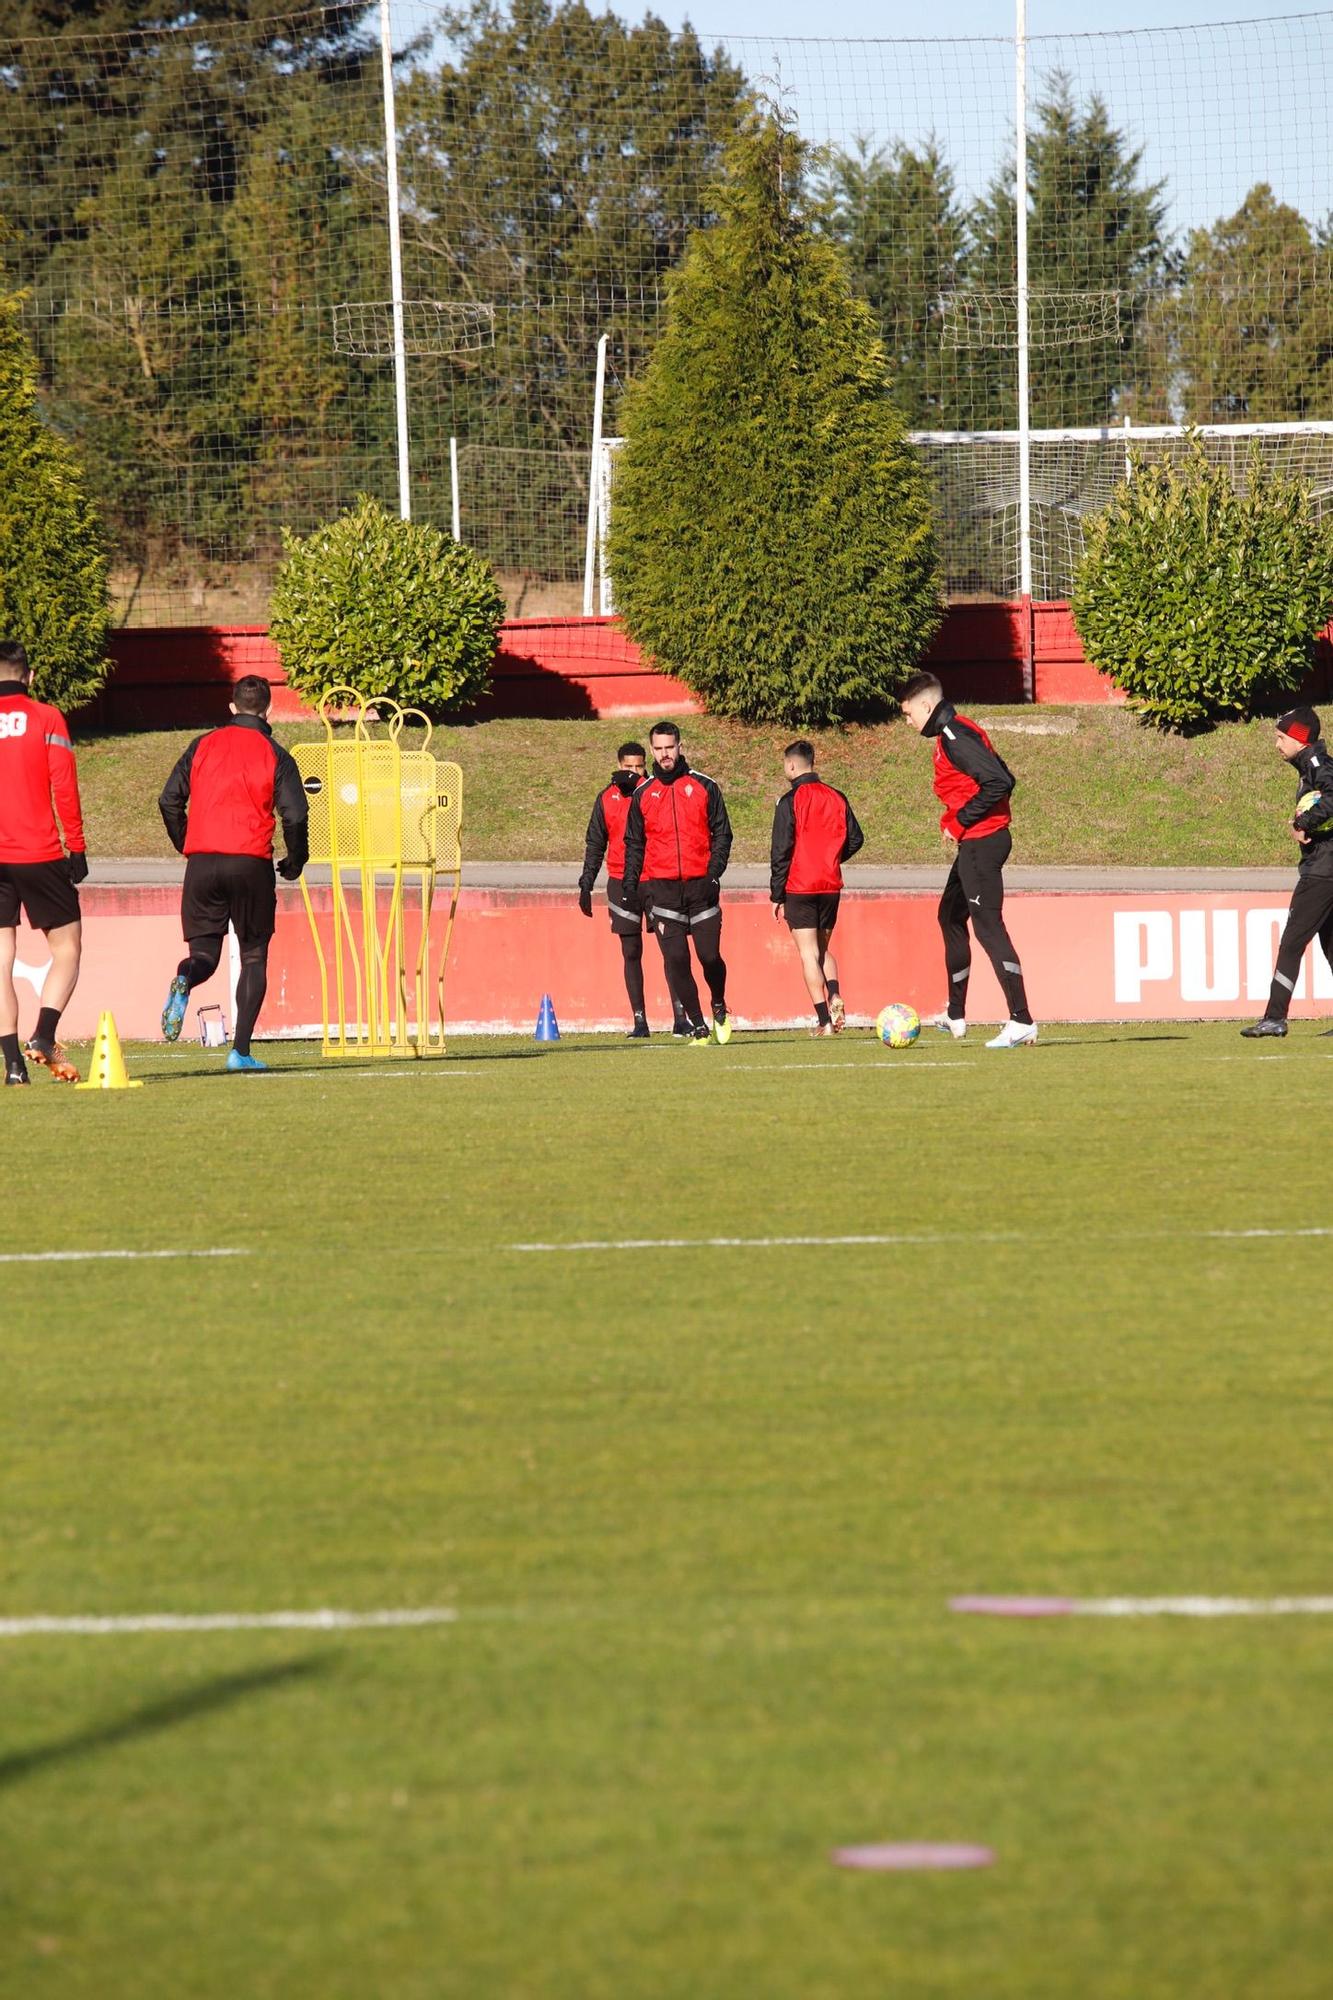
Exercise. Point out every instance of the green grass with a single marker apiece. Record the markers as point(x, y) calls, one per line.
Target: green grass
point(1100, 789)
point(700, 1511)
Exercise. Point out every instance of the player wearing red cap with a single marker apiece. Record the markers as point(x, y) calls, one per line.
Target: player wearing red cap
point(38, 779)
point(1311, 913)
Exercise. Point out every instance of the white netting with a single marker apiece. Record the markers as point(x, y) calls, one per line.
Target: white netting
point(430, 326)
point(197, 214)
point(980, 317)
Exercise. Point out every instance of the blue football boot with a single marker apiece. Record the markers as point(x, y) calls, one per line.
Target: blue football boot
point(241, 1065)
point(173, 1014)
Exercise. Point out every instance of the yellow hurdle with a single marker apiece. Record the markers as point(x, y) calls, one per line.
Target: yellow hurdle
point(387, 823)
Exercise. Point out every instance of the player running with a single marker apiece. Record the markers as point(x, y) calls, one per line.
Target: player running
point(814, 832)
point(1311, 913)
point(973, 785)
point(677, 845)
point(38, 779)
point(219, 806)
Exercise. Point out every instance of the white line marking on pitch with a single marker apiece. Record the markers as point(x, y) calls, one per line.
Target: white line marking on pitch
point(1145, 1607)
point(98, 1256)
point(225, 1621)
point(892, 1242)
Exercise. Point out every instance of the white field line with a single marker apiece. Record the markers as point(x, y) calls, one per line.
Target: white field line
point(907, 1241)
point(224, 1621)
point(99, 1256)
point(1146, 1607)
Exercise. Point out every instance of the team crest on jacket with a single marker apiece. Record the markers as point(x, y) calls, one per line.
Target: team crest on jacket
point(689, 791)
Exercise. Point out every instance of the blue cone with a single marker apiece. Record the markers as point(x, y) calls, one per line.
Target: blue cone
point(547, 1029)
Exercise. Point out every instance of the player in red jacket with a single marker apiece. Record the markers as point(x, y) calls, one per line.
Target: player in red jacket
point(605, 841)
point(814, 832)
point(219, 806)
point(38, 779)
point(677, 845)
point(973, 785)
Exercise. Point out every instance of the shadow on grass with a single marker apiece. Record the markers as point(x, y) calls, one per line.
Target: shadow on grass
point(204, 1698)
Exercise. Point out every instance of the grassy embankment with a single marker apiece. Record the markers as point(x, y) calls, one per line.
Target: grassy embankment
point(1095, 787)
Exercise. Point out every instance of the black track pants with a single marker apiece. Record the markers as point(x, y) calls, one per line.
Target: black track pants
point(632, 951)
point(974, 894)
point(1310, 915)
point(680, 912)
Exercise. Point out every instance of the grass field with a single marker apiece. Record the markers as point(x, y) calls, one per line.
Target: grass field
point(699, 1510)
point(1094, 787)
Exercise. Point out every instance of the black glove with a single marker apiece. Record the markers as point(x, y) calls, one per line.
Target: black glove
point(714, 889)
point(290, 870)
point(585, 900)
point(77, 865)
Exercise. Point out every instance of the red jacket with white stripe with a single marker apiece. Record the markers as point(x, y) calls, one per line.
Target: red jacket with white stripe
point(972, 781)
point(36, 768)
point(814, 832)
point(677, 829)
point(606, 829)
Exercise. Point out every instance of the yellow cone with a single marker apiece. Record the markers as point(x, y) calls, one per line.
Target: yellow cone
point(108, 1064)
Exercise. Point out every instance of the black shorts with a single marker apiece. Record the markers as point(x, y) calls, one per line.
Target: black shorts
point(687, 903)
point(811, 913)
point(624, 921)
point(43, 888)
point(235, 889)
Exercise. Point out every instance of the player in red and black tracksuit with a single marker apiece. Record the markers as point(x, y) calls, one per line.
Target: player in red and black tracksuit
point(219, 806)
point(1311, 913)
point(605, 841)
point(814, 832)
point(973, 784)
point(38, 779)
point(677, 845)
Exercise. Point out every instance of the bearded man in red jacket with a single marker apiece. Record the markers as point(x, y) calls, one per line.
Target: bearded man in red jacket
point(677, 845)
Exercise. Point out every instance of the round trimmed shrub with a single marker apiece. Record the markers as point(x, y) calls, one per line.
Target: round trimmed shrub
point(772, 539)
point(1198, 596)
point(53, 566)
point(388, 607)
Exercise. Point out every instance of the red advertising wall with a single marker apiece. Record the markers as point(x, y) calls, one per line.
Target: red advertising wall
point(1086, 957)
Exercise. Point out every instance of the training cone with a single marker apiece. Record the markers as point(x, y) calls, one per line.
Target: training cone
point(548, 1029)
point(107, 1071)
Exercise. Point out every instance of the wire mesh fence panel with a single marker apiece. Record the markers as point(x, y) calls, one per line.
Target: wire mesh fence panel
point(198, 216)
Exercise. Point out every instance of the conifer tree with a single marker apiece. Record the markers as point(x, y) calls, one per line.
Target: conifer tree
point(772, 540)
point(53, 573)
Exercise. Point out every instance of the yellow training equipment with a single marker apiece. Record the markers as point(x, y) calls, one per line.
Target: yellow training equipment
point(387, 823)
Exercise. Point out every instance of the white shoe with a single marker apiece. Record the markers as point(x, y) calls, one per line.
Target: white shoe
point(948, 1023)
point(1015, 1035)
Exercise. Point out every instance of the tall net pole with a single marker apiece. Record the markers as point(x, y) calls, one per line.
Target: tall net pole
point(1021, 293)
point(396, 262)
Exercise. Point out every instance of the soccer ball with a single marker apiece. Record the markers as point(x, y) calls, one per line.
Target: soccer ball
point(898, 1025)
point(1304, 803)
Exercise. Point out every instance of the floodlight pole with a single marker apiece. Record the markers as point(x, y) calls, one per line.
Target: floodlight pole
point(395, 263)
point(1024, 393)
point(594, 479)
point(455, 509)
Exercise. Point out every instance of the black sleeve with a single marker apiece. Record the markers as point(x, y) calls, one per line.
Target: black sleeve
point(966, 752)
point(855, 840)
point(1317, 816)
point(292, 808)
point(634, 845)
point(594, 846)
point(719, 833)
point(782, 848)
point(174, 802)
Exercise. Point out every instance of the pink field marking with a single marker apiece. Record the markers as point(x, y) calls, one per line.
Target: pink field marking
point(902, 1856)
point(1016, 1607)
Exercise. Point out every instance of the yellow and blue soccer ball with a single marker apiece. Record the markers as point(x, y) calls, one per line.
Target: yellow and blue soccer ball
point(1304, 804)
point(898, 1025)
